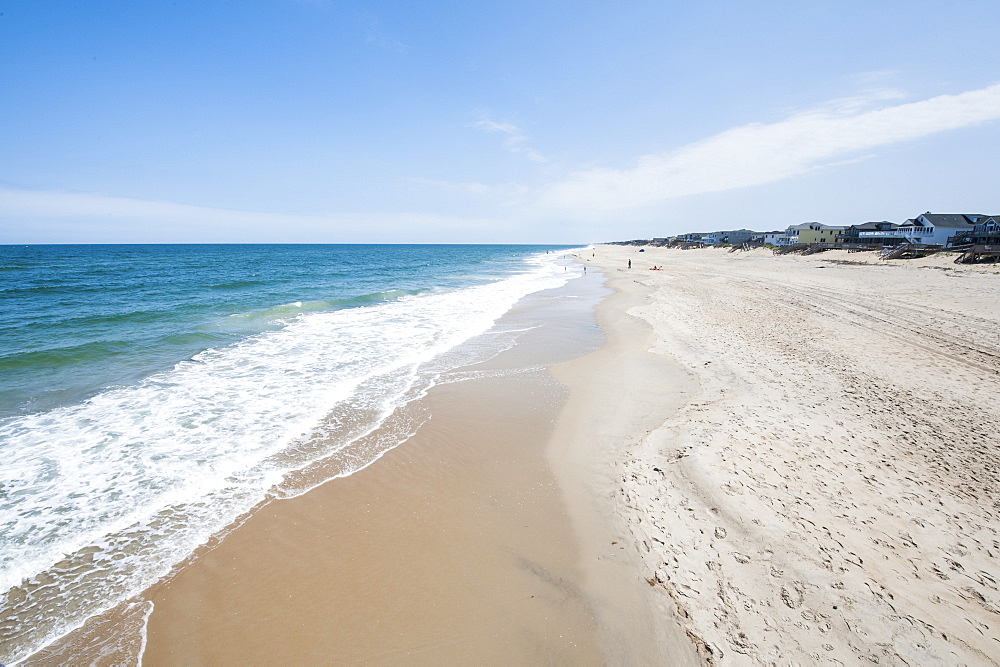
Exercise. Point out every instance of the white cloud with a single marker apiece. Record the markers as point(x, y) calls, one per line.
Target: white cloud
point(760, 153)
point(492, 126)
point(515, 140)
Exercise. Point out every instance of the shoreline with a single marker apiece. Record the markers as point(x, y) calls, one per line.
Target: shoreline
point(455, 545)
point(617, 393)
point(107, 494)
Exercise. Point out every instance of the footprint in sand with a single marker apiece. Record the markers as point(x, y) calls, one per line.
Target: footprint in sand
point(791, 596)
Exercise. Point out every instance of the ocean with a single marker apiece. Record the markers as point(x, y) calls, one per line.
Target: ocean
point(152, 395)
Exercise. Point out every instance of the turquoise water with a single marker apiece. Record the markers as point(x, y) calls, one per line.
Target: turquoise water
point(78, 319)
point(150, 395)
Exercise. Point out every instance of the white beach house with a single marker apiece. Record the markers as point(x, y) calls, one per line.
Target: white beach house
point(938, 228)
point(775, 238)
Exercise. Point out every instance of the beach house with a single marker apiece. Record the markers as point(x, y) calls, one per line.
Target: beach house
point(691, 237)
point(739, 236)
point(713, 238)
point(873, 233)
point(775, 238)
point(815, 232)
point(940, 229)
point(789, 237)
point(987, 232)
point(733, 236)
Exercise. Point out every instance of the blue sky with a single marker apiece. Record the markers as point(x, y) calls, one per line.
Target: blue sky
point(541, 121)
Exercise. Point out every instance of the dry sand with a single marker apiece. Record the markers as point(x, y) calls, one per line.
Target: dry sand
point(830, 490)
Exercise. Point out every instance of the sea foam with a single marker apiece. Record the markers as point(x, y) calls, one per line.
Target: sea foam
point(102, 498)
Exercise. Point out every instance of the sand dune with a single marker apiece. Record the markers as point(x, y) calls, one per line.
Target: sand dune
point(830, 492)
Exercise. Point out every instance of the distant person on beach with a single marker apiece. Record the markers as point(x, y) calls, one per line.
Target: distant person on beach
point(630, 264)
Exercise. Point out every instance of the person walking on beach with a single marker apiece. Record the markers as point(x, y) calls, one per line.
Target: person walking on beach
point(630, 264)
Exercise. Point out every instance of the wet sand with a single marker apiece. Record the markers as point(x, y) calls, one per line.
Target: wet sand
point(618, 393)
point(478, 541)
point(453, 548)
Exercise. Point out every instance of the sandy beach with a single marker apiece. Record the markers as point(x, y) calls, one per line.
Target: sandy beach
point(827, 491)
point(751, 460)
point(461, 546)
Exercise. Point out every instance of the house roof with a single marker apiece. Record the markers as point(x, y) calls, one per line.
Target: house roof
point(951, 219)
point(874, 226)
point(816, 226)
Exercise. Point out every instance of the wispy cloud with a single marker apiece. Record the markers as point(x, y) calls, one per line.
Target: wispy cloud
point(515, 140)
point(874, 77)
point(455, 186)
point(377, 35)
point(761, 153)
point(501, 192)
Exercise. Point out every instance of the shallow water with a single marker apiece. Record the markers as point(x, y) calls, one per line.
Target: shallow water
point(153, 394)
